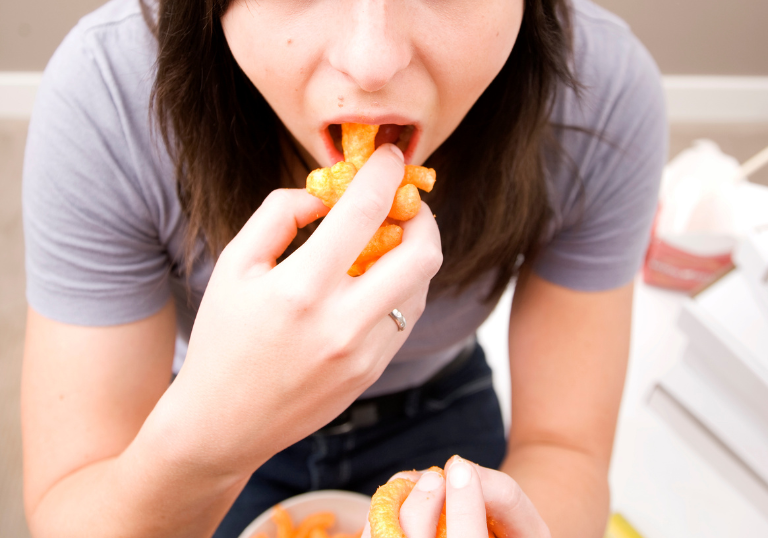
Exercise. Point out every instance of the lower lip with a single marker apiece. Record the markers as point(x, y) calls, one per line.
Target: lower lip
point(337, 156)
point(334, 153)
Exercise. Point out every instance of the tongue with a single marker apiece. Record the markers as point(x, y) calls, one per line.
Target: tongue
point(388, 134)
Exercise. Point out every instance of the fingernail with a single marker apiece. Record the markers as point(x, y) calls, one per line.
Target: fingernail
point(429, 481)
point(397, 151)
point(459, 474)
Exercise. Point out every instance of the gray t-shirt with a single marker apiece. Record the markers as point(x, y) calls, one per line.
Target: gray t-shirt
point(104, 226)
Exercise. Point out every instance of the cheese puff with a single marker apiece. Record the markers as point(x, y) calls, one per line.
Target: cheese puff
point(320, 184)
point(329, 184)
point(318, 532)
point(283, 522)
point(358, 269)
point(423, 178)
point(407, 203)
point(384, 515)
point(318, 520)
point(358, 140)
point(387, 237)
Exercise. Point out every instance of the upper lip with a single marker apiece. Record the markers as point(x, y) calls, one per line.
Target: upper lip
point(378, 119)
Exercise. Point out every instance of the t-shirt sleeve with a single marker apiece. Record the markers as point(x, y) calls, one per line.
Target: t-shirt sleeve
point(606, 192)
point(93, 256)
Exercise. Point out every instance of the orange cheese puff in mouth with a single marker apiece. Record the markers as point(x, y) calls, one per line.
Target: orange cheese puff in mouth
point(358, 142)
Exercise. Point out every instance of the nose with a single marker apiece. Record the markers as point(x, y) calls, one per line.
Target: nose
point(372, 45)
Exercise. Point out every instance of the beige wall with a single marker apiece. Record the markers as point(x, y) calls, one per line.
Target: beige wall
point(704, 37)
point(700, 37)
point(30, 30)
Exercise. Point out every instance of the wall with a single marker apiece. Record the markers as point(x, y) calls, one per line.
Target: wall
point(702, 37)
point(30, 30)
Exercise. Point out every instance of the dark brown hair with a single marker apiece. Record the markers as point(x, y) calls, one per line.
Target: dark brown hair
point(231, 150)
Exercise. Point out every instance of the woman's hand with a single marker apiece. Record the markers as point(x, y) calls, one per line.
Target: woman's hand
point(475, 499)
point(278, 351)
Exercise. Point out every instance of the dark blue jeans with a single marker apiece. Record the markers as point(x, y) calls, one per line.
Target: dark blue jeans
point(458, 414)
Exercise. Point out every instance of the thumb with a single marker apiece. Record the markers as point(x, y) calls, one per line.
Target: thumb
point(273, 226)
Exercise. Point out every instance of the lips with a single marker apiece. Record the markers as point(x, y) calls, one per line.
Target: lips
point(403, 136)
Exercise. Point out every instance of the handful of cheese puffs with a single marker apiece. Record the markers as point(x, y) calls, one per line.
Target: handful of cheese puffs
point(328, 184)
point(314, 526)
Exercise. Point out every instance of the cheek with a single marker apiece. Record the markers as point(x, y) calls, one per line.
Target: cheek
point(246, 41)
point(472, 52)
point(268, 50)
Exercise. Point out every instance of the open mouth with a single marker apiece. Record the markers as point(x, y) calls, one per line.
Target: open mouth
point(389, 133)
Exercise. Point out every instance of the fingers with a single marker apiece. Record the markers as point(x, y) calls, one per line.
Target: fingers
point(366, 529)
point(476, 500)
point(420, 512)
point(509, 508)
point(464, 504)
point(385, 330)
point(273, 226)
point(385, 333)
point(358, 214)
point(403, 272)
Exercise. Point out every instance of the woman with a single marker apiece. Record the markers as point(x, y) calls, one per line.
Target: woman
point(163, 178)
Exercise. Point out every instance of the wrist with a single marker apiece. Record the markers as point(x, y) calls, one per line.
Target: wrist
point(569, 488)
point(180, 441)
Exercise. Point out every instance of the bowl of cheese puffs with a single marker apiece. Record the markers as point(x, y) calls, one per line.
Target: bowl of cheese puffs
point(317, 514)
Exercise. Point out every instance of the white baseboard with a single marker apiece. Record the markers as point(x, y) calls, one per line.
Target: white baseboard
point(711, 99)
point(690, 99)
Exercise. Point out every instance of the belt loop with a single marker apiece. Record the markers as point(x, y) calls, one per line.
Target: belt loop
point(412, 402)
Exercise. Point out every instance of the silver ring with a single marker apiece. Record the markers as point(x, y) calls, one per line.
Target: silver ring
point(399, 319)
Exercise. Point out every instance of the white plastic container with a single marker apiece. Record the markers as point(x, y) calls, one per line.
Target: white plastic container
point(706, 207)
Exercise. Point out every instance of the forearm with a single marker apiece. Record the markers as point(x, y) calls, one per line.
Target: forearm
point(152, 489)
point(569, 488)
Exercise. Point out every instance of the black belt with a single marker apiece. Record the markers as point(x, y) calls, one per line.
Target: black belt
point(367, 412)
